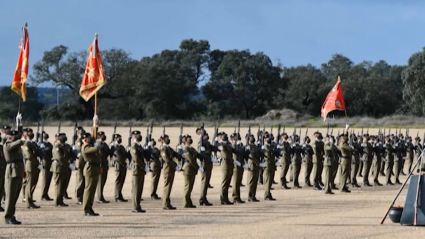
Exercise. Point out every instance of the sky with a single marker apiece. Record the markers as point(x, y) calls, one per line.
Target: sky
point(295, 32)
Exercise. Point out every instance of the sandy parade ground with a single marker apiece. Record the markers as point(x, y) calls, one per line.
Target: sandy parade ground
point(297, 213)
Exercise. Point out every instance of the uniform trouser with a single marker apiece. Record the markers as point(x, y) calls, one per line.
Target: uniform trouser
point(366, 170)
point(382, 171)
point(354, 171)
point(237, 181)
point(2, 177)
point(46, 180)
point(205, 181)
point(32, 179)
point(168, 185)
point(334, 173)
point(68, 178)
point(291, 173)
point(397, 170)
point(119, 182)
point(361, 163)
point(79, 184)
point(344, 173)
point(268, 181)
point(376, 169)
point(155, 175)
point(89, 192)
point(388, 171)
point(189, 181)
point(252, 183)
point(260, 179)
point(283, 172)
point(226, 179)
point(12, 189)
point(137, 190)
point(408, 164)
point(317, 173)
point(60, 182)
point(327, 183)
point(101, 184)
point(296, 169)
point(308, 167)
point(402, 165)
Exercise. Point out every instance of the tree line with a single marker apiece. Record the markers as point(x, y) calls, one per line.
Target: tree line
point(195, 82)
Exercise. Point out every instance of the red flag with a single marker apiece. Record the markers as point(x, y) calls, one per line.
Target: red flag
point(334, 100)
point(94, 77)
point(21, 72)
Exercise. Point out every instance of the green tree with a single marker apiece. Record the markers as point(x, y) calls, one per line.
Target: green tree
point(30, 109)
point(414, 80)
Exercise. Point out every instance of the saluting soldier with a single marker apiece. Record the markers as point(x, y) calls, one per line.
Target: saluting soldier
point(79, 166)
point(91, 156)
point(206, 152)
point(155, 168)
point(238, 158)
point(168, 170)
point(32, 167)
point(327, 164)
point(190, 169)
point(296, 150)
point(47, 148)
point(119, 156)
point(104, 165)
point(138, 167)
point(14, 173)
point(253, 168)
point(318, 148)
point(346, 150)
point(389, 160)
point(308, 161)
point(355, 159)
point(270, 166)
point(226, 152)
point(59, 168)
point(285, 159)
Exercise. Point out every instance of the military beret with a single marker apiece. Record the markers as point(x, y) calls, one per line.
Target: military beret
point(135, 132)
point(60, 134)
point(13, 133)
point(186, 136)
point(234, 135)
point(317, 132)
point(198, 129)
point(117, 136)
point(100, 133)
point(27, 130)
point(6, 127)
point(86, 135)
point(163, 136)
point(80, 128)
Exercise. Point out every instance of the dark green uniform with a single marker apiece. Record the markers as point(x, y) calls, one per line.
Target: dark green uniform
point(327, 167)
point(226, 152)
point(345, 165)
point(79, 173)
point(138, 168)
point(71, 158)
point(238, 156)
point(285, 161)
point(60, 170)
point(46, 148)
point(410, 154)
point(367, 161)
point(253, 170)
point(119, 157)
point(376, 165)
point(13, 177)
point(208, 166)
point(318, 148)
point(269, 160)
point(389, 162)
point(398, 161)
point(355, 160)
point(335, 165)
point(104, 164)
point(29, 150)
point(91, 173)
point(168, 170)
point(190, 169)
point(296, 150)
point(308, 163)
point(155, 168)
point(2, 174)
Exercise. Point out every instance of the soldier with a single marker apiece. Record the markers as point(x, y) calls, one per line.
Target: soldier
point(367, 159)
point(71, 157)
point(253, 168)
point(308, 161)
point(269, 167)
point(296, 150)
point(139, 170)
point(46, 149)
point(345, 161)
point(398, 160)
point(32, 167)
point(2, 166)
point(238, 159)
point(418, 149)
point(190, 169)
point(59, 168)
point(335, 162)
point(410, 148)
point(168, 170)
point(205, 150)
point(389, 160)
point(318, 148)
point(91, 156)
point(104, 166)
point(376, 166)
point(155, 168)
point(119, 155)
point(327, 164)
point(355, 159)
point(79, 166)
point(285, 159)
point(14, 173)
point(226, 152)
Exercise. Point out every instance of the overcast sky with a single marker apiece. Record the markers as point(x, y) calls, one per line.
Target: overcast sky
point(296, 32)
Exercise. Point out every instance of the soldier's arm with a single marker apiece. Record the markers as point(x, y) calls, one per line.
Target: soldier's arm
point(15, 144)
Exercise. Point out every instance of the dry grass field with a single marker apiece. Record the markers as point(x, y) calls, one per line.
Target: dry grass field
point(297, 213)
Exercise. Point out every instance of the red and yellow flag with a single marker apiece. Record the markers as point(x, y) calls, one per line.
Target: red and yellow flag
point(334, 100)
point(21, 71)
point(94, 77)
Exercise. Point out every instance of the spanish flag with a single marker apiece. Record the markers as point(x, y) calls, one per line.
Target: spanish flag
point(21, 71)
point(94, 77)
point(334, 100)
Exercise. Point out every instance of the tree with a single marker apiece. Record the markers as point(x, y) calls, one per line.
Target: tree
point(30, 109)
point(414, 80)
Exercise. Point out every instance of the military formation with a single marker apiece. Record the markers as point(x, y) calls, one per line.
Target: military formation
point(28, 157)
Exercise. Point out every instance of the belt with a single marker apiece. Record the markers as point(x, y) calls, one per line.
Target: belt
point(93, 164)
point(15, 161)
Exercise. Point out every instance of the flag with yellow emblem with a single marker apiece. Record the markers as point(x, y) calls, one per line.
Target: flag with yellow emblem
point(21, 72)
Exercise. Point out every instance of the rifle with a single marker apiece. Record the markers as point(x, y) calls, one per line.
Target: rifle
point(407, 133)
point(332, 131)
point(42, 131)
point(59, 126)
point(239, 129)
point(150, 132)
point(129, 135)
point(362, 132)
point(278, 134)
point(327, 130)
point(306, 132)
point(147, 137)
point(74, 138)
point(214, 142)
point(180, 148)
point(247, 136)
point(37, 137)
point(115, 131)
point(294, 133)
point(299, 136)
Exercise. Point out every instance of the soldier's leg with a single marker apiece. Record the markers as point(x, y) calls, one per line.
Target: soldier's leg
point(255, 175)
point(2, 182)
point(291, 174)
point(34, 183)
point(47, 179)
point(136, 192)
point(24, 186)
point(282, 175)
point(376, 170)
point(168, 185)
point(397, 170)
point(266, 177)
point(361, 163)
point(87, 208)
point(408, 164)
point(27, 195)
point(315, 175)
point(104, 178)
point(57, 178)
point(154, 182)
point(186, 193)
point(382, 168)
point(191, 183)
point(224, 187)
point(343, 174)
point(79, 184)
point(354, 169)
point(250, 182)
point(320, 172)
point(388, 170)
point(366, 172)
point(235, 185)
point(261, 179)
point(327, 171)
point(67, 180)
point(239, 184)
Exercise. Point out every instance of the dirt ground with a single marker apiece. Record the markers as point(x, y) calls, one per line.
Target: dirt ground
point(297, 213)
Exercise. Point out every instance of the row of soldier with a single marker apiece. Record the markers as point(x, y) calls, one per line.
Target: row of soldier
point(260, 158)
